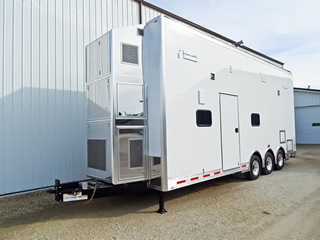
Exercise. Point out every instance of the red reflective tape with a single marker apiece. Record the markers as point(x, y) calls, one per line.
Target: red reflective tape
point(195, 178)
point(244, 165)
point(207, 175)
point(183, 181)
point(216, 173)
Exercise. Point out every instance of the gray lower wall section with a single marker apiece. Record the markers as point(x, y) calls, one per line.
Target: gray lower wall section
point(304, 118)
point(42, 85)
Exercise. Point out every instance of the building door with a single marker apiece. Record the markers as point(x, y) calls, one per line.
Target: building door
point(229, 131)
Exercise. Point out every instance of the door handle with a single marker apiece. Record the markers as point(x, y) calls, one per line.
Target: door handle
point(236, 130)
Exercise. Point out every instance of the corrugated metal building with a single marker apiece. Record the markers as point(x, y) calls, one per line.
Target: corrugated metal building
point(42, 85)
point(307, 115)
point(42, 93)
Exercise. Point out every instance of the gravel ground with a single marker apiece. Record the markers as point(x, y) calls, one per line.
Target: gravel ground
point(283, 205)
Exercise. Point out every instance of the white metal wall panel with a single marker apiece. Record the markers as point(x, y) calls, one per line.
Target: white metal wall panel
point(42, 93)
point(306, 98)
point(148, 13)
point(99, 100)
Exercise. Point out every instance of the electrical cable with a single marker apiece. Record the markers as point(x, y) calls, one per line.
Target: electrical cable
point(92, 196)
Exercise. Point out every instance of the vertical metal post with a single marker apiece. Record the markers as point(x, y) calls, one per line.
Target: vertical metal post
point(140, 12)
point(57, 190)
point(161, 203)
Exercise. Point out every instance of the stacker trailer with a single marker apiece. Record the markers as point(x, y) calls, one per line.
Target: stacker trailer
point(170, 106)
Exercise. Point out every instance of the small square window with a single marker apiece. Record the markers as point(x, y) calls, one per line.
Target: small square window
point(255, 119)
point(140, 32)
point(204, 118)
point(156, 160)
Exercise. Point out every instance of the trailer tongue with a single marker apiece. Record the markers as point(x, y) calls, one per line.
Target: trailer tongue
point(87, 190)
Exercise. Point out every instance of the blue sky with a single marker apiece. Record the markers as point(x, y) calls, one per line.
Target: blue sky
point(288, 31)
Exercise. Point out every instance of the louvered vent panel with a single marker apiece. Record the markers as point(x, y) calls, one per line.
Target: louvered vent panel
point(130, 54)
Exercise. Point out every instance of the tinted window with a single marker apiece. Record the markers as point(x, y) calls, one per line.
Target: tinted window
point(156, 160)
point(136, 153)
point(97, 154)
point(255, 119)
point(204, 118)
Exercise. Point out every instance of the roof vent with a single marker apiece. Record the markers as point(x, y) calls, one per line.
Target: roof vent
point(130, 54)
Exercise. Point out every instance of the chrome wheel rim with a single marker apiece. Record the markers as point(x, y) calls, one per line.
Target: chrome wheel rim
point(280, 159)
point(269, 163)
point(255, 168)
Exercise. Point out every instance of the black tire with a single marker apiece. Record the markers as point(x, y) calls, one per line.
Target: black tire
point(255, 168)
point(269, 164)
point(280, 160)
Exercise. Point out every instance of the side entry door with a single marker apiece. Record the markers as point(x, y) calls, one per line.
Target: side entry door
point(229, 118)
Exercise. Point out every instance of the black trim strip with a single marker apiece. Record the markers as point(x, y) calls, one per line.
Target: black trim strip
point(140, 12)
point(129, 122)
point(307, 89)
point(205, 30)
point(33, 190)
point(25, 191)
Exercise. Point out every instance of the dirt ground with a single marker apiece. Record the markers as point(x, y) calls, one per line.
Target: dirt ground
point(283, 205)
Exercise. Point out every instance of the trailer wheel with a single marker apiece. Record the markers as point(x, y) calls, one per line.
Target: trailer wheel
point(280, 160)
point(255, 168)
point(269, 164)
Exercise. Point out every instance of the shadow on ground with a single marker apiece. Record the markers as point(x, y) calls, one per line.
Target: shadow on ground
point(41, 207)
point(44, 208)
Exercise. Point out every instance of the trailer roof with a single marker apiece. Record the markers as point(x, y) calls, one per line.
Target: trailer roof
point(307, 89)
point(205, 30)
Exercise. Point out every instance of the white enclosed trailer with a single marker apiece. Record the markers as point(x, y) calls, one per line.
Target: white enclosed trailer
point(174, 106)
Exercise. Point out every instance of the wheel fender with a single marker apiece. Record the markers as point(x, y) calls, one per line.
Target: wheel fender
point(264, 156)
point(256, 152)
point(276, 156)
